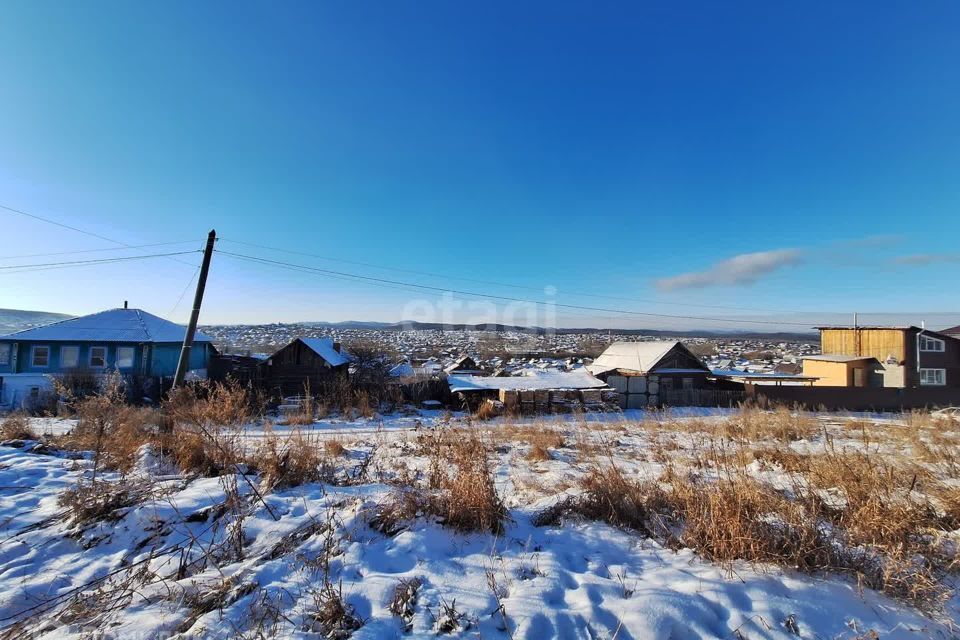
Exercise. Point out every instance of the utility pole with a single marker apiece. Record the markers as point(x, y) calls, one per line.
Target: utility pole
point(195, 314)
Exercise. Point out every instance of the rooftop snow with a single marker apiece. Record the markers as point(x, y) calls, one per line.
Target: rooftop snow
point(531, 381)
point(323, 347)
point(114, 325)
point(632, 356)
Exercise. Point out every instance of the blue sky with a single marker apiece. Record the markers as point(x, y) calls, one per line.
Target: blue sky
point(705, 159)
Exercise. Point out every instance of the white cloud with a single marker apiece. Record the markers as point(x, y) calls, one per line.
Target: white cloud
point(743, 269)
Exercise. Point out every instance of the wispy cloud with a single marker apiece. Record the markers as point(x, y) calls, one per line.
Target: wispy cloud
point(920, 259)
point(743, 269)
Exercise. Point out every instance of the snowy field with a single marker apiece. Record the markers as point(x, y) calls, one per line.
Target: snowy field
point(227, 557)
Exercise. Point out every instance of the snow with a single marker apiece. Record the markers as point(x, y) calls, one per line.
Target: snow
point(579, 580)
point(532, 380)
point(324, 348)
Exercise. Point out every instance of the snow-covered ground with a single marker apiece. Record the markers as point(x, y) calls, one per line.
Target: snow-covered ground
point(182, 558)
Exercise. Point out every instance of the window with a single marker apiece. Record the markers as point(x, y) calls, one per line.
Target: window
point(4, 354)
point(40, 356)
point(933, 377)
point(98, 356)
point(69, 356)
point(928, 343)
point(124, 357)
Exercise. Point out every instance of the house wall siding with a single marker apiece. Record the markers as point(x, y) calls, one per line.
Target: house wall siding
point(162, 358)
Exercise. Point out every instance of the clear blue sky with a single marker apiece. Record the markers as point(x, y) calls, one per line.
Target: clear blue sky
point(756, 156)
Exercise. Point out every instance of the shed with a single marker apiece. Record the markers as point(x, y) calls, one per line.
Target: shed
point(836, 370)
point(536, 391)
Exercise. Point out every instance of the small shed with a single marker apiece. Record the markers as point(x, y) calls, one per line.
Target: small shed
point(835, 370)
point(535, 392)
point(651, 373)
point(313, 362)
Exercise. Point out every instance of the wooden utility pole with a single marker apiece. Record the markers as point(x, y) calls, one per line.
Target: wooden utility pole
point(195, 314)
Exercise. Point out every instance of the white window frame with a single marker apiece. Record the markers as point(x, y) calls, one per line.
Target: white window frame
point(933, 377)
point(6, 354)
point(33, 356)
point(929, 344)
point(132, 359)
point(90, 357)
point(76, 360)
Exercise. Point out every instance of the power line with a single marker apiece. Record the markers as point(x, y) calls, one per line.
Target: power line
point(20, 268)
point(381, 281)
point(495, 283)
point(69, 253)
point(72, 228)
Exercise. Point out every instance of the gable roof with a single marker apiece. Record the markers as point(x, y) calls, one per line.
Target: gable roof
point(639, 357)
point(113, 325)
point(952, 331)
point(323, 347)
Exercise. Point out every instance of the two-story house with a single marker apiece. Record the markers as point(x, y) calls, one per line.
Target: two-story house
point(137, 344)
point(900, 356)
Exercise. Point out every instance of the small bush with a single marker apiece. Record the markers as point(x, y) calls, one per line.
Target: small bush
point(16, 426)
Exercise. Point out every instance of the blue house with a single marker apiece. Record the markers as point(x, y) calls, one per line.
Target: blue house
point(137, 344)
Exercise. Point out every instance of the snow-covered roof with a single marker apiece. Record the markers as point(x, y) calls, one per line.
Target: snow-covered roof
point(114, 325)
point(531, 381)
point(402, 370)
point(640, 357)
point(323, 347)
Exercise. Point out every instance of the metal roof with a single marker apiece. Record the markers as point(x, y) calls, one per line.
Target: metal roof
point(640, 357)
point(113, 325)
point(323, 347)
point(837, 357)
point(540, 380)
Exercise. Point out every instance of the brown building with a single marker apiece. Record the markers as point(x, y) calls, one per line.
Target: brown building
point(305, 361)
point(907, 356)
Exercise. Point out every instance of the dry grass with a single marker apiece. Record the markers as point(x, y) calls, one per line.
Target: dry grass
point(878, 532)
point(98, 501)
point(291, 462)
point(459, 491)
point(16, 426)
point(334, 448)
point(751, 424)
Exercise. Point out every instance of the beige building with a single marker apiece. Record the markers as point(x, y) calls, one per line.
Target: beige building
point(836, 370)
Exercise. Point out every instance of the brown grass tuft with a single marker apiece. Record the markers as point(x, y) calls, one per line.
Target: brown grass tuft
point(16, 426)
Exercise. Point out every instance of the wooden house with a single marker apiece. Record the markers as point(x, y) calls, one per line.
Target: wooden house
point(143, 348)
point(651, 373)
point(909, 356)
point(304, 363)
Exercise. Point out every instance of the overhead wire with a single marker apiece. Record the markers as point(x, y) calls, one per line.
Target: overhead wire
point(492, 282)
point(423, 287)
point(62, 225)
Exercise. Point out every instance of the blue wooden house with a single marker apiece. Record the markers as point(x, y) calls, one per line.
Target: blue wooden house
point(137, 344)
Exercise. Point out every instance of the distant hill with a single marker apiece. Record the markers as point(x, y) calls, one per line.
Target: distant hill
point(16, 320)
point(436, 326)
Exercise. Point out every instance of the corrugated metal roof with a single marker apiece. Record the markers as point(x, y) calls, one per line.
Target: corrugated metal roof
point(114, 325)
point(632, 356)
point(323, 347)
point(539, 380)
